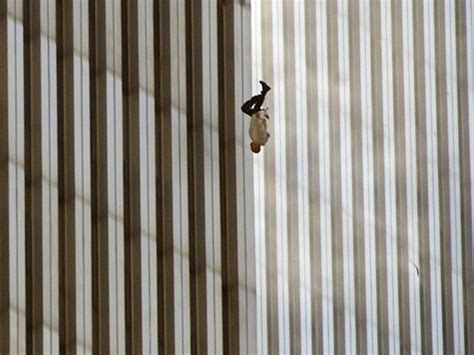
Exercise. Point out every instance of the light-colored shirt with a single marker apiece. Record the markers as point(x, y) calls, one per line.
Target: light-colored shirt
point(258, 130)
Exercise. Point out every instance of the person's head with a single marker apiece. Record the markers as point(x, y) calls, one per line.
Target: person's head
point(255, 147)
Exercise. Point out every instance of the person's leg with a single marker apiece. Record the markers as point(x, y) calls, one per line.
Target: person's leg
point(247, 107)
point(265, 87)
point(259, 99)
point(253, 105)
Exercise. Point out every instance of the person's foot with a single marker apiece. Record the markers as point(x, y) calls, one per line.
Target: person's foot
point(265, 87)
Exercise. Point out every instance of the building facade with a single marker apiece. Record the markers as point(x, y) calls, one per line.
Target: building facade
point(134, 218)
point(126, 183)
point(364, 194)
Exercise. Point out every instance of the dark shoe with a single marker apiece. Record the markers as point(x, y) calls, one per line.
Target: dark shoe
point(265, 87)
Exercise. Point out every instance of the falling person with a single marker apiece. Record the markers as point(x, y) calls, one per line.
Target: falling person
point(259, 120)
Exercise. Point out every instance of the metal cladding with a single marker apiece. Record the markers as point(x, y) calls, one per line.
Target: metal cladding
point(134, 217)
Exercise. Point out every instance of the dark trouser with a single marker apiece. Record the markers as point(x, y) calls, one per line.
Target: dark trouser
point(253, 105)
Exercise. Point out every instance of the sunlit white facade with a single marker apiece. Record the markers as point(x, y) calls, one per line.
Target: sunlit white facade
point(364, 194)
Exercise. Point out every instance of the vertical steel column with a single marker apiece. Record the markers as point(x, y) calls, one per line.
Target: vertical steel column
point(357, 126)
point(237, 224)
point(33, 178)
point(336, 184)
point(314, 178)
point(164, 197)
point(195, 90)
point(131, 166)
point(379, 178)
point(466, 186)
point(99, 162)
point(292, 176)
point(227, 152)
point(4, 188)
point(443, 174)
point(422, 177)
point(270, 189)
point(403, 262)
point(66, 183)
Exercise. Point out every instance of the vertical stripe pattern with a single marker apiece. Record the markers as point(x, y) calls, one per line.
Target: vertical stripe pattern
point(135, 219)
point(5, 319)
point(33, 178)
point(131, 176)
point(99, 183)
point(386, 88)
point(66, 178)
